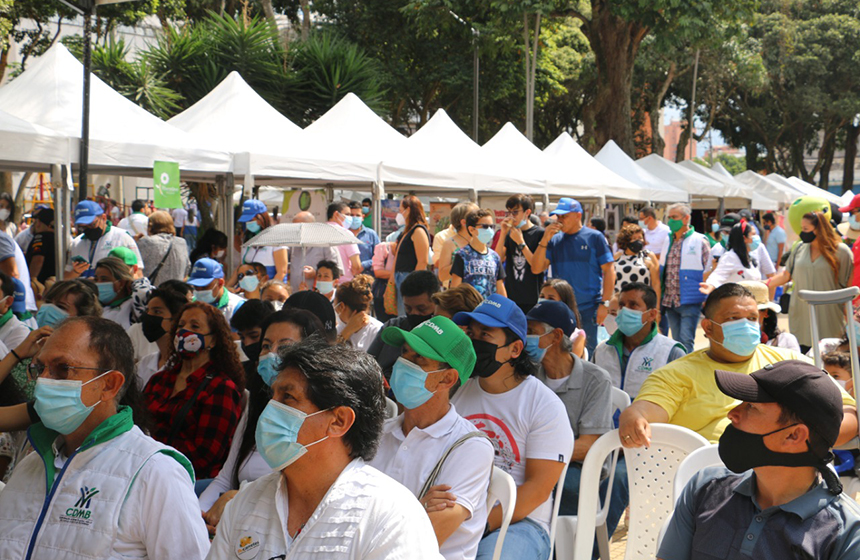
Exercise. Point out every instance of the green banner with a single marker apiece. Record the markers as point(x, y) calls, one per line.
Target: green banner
point(165, 175)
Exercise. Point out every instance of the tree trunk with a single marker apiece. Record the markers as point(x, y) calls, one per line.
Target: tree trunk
point(306, 19)
point(6, 182)
point(827, 162)
point(4, 62)
point(268, 10)
point(657, 142)
point(852, 133)
point(683, 140)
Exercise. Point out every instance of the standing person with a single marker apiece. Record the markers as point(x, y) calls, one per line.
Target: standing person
point(821, 263)
point(97, 239)
point(137, 224)
point(255, 218)
point(207, 279)
point(350, 258)
point(41, 256)
point(580, 256)
point(352, 305)
point(366, 235)
point(712, 231)
point(738, 263)
point(476, 264)
point(179, 216)
point(212, 245)
point(850, 230)
point(367, 212)
point(165, 255)
point(383, 270)
point(775, 237)
point(683, 266)
point(633, 263)
point(303, 260)
point(657, 233)
point(189, 232)
point(7, 214)
point(518, 241)
point(413, 245)
point(453, 243)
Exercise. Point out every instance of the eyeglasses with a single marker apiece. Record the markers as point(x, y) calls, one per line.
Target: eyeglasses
point(244, 274)
point(512, 213)
point(485, 226)
point(61, 371)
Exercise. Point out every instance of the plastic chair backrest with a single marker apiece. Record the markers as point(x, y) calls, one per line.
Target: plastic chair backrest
point(704, 457)
point(390, 408)
point(503, 490)
point(553, 522)
point(650, 472)
point(620, 400)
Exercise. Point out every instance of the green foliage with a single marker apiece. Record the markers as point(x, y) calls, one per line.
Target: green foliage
point(733, 164)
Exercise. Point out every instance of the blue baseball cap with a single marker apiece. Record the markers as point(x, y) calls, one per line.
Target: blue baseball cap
point(251, 209)
point(204, 271)
point(86, 211)
point(555, 314)
point(19, 304)
point(496, 311)
point(566, 206)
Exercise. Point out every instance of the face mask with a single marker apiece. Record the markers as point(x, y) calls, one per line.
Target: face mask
point(206, 296)
point(106, 292)
point(219, 254)
point(268, 368)
point(49, 315)
point(325, 287)
point(853, 221)
point(756, 241)
point(740, 337)
point(486, 364)
point(277, 304)
point(522, 224)
point(401, 221)
point(188, 343)
point(485, 236)
point(842, 383)
point(407, 382)
point(277, 434)
point(766, 227)
point(807, 236)
point(715, 227)
point(59, 404)
point(675, 225)
point(642, 224)
point(533, 348)
point(252, 350)
point(253, 227)
point(415, 320)
point(365, 210)
point(151, 326)
point(4, 214)
point(249, 283)
point(636, 246)
point(742, 451)
point(356, 222)
point(93, 234)
point(629, 321)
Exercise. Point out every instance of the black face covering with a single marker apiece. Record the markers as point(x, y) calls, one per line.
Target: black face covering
point(807, 236)
point(253, 350)
point(93, 234)
point(485, 364)
point(636, 246)
point(151, 327)
point(415, 320)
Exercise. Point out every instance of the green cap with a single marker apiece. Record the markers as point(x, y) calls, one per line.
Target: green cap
point(439, 339)
point(124, 254)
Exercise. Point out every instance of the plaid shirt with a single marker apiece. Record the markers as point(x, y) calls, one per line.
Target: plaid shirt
point(208, 428)
point(672, 269)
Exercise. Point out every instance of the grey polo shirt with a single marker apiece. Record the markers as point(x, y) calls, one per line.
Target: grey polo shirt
point(717, 517)
point(587, 397)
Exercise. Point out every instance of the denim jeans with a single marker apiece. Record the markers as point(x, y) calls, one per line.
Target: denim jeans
point(201, 485)
point(525, 540)
point(589, 325)
point(398, 279)
point(682, 322)
point(617, 502)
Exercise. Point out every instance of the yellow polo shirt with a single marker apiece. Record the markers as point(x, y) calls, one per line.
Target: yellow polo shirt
point(687, 391)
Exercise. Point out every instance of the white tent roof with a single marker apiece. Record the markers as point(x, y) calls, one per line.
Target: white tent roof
point(718, 167)
point(124, 138)
point(237, 118)
point(619, 162)
point(574, 172)
point(511, 164)
point(807, 188)
point(30, 147)
point(768, 187)
point(846, 198)
point(683, 178)
point(757, 201)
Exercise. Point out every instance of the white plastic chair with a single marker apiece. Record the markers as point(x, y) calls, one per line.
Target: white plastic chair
point(650, 472)
point(390, 408)
point(553, 523)
point(566, 533)
point(503, 490)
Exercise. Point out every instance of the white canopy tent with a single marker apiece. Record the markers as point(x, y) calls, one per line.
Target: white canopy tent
point(616, 160)
point(755, 200)
point(694, 183)
point(517, 165)
point(718, 167)
point(846, 198)
point(768, 187)
point(806, 188)
point(29, 147)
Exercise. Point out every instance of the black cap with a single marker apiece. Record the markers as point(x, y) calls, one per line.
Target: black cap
point(555, 314)
point(798, 386)
point(46, 216)
point(317, 304)
point(729, 220)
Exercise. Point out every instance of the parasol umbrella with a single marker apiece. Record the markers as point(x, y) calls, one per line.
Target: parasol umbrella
point(313, 234)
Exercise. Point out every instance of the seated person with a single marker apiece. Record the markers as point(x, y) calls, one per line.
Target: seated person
point(683, 392)
point(323, 423)
point(437, 357)
point(328, 275)
point(838, 365)
point(113, 280)
point(276, 292)
point(637, 348)
point(777, 497)
point(417, 290)
point(247, 322)
point(320, 307)
point(525, 420)
point(140, 284)
point(207, 279)
point(114, 491)
point(12, 330)
point(767, 318)
point(453, 300)
point(163, 306)
point(356, 326)
point(557, 289)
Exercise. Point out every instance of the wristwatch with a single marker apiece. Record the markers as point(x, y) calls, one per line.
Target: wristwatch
point(606, 303)
point(521, 246)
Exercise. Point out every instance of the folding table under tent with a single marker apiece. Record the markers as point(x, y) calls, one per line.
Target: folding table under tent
point(755, 200)
point(616, 160)
point(770, 188)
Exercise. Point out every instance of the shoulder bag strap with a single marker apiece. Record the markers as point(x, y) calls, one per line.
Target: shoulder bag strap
point(164, 258)
point(431, 480)
point(186, 408)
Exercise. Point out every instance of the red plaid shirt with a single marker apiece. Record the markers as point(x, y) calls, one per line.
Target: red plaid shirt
point(208, 428)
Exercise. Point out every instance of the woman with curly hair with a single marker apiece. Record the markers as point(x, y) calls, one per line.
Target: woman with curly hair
point(195, 401)
point(352, 306)
point(635, 264)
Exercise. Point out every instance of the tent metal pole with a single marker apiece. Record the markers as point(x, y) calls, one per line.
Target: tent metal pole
point(224, 187)
point(58, 187)
point(378, 195)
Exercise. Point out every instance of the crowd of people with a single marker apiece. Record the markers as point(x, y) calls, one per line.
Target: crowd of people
point(353, 401)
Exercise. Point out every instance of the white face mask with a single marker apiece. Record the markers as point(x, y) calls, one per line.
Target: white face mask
point(4, 214)
point(401, 221)
point(219, 254)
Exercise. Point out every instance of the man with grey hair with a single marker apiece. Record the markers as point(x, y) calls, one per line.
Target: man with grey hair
point(303, 260)
point(683, 262)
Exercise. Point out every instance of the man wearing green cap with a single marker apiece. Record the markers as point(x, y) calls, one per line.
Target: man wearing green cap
point(437, 357)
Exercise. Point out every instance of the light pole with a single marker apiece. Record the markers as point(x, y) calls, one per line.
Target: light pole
point(476, 35)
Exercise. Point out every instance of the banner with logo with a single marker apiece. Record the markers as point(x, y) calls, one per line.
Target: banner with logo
point(165, 175)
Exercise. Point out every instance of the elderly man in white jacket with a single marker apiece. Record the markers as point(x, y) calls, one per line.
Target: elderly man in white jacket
point(323, 500)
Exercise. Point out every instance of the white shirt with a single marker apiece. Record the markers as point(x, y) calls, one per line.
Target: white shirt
point(13, 332)
point(121, 314)
point(234, 301)
point(786, 340)
point(346, 252)
point(24, 238)
point(179, 215)
point(527, 422)
point(731, 269)
point(765, 264)
point(142, 347)
point(364, 337)
point(409, 459)
point(113, 238)
point(147, 366)
point(135, 224)
point(657, 237)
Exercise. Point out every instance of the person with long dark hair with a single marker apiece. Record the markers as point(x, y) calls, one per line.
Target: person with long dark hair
point(211, 245)
point(737, 263)
point(413, 245)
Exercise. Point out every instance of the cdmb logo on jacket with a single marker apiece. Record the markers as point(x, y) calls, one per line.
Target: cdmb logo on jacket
point(80, 513)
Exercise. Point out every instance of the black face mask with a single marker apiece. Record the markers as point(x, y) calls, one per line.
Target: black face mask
point(151, 327)
point(807, 236)
point(742, 451)
point(415, 320)
point(485, 364)
point(636, 246)
point(93, 234)
point(253, 350)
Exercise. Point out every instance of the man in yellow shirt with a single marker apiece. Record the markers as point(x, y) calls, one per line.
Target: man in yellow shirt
point(685, 393)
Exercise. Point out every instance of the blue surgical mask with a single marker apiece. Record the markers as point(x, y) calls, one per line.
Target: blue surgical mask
point(49, 315)
point(277, 434)
point(249, 283)
point(408, 383)
point(267, 367)
point(485, 236)
point(715, 227)
point(740, 337)
point(253, 227)
point(629, 321)
point(857, 332)
point(106, 292)
point(356, 222)
point(642, 224)
point(205, 296)
point(853, 221)
point(533, 348)
point(365, 210)
point(756, 241)
point(325, 287)
point(59, 403)
point(522, 224)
